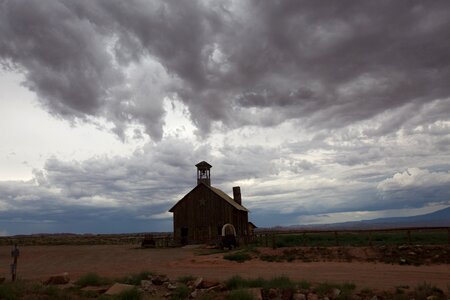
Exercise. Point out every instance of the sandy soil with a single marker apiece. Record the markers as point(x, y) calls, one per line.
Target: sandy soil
point(39, 262)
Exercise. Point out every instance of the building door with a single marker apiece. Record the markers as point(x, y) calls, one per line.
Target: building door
point(184, 235)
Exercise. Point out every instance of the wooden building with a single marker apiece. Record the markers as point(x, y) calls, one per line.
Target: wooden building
point(206, 212)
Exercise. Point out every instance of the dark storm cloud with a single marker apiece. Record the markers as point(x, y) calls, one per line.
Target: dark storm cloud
point(328, 64)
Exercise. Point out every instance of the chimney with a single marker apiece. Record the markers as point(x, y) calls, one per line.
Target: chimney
point(237, 195)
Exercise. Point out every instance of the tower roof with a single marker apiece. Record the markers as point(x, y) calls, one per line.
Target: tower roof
point(203, 165)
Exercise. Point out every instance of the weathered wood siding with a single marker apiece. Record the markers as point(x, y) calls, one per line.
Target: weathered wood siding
point(202, 213)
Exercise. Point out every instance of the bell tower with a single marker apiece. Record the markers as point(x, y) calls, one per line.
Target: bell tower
point(203, 173)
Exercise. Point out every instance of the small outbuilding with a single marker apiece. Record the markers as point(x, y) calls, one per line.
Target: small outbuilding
point(206, 213)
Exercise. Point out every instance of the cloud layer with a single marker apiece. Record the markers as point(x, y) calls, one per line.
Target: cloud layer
point(311, 107)
point(237, 63)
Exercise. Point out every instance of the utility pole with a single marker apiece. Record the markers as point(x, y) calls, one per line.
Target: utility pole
point(14, 254)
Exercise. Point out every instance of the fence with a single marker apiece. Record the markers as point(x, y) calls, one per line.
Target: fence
point(364, 237)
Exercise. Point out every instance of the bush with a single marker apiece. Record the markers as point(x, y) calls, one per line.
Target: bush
point(91, 279)
point(132, 294)
point(240, 295)
point(185, 279)
point(135, 279)
point(239, 256)
point(181, 292)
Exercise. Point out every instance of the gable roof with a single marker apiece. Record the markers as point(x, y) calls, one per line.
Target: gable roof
point(219, 193)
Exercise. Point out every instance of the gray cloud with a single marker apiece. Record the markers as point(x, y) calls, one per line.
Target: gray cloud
point(327, 64)
point(362, 89)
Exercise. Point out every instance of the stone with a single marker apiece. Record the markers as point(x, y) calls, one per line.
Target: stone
point(256, 293)
point(2, 279)
point(171, 286)
point(374, 298)
point(287, 294)
point(273, 293)
point(58, 279)
point(205, 284)
point(335, 293)
point(298, 296)
point(118, 288)
point(95, 289)
point(312, 296)
point(194, 294)
point(432, 297)
point(159, 280)
point(168, 294)
point(197, 282)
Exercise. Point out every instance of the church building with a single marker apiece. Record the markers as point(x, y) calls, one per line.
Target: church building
point(205, 213)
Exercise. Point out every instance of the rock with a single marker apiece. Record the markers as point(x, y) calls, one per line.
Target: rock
point(402, 261)
point(287, 294)
point(147, 286)
point(159, 280)
point(335, 293)
point(2, 279)
point(168, 294)
point(118, 288)
point(171, 286)
point(256, 293)
point(273, 293)
point(374, 298)
point(402, 247)
point(432, 297)
point(95, 289)
point(298, 296)
point(411, 253)
point(58, 279)
point(194, 294)
point(205, 284)
point(312, 296)
point(197, 282)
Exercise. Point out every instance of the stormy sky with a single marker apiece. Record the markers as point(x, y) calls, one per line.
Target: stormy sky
point(321, 111)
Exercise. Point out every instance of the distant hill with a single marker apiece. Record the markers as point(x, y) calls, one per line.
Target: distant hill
point(440, 218)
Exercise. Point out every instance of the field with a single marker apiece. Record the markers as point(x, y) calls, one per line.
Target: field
point(395, 261)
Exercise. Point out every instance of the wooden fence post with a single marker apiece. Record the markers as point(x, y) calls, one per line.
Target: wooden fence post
point(448, 235)
point(370, 238)
point(336, 238)
point(274, 245)
point(409, 236)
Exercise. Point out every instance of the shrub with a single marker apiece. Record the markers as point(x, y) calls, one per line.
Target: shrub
point(239, 256)
point(281, 282)
point(240, 295)
point(181, 292)
point(132, 294)
point(425, 290)
point(135, 279)
point(185, 279)
point(91, 279)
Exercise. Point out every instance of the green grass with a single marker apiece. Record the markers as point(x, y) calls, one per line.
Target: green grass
point(92, 279)
point(12, 291)
point(327, 239)
point(181, 292)
point(280, 282)
point(185, 279)
point(238, 256)
point(240, 295)
point(424, 290)
point(346, 289)
point(135, 279)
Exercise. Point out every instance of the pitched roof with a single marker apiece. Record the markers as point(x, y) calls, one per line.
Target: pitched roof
point(203, 164)
point(219, 193)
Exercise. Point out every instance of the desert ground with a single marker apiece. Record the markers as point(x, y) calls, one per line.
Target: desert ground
point(40, 262)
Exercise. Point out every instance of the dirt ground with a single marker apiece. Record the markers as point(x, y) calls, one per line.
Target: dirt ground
point(39, 262)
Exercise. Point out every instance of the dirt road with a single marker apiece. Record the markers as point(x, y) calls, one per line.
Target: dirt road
point(39, 262)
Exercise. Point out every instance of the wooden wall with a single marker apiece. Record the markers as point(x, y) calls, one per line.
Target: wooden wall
point(203, 213)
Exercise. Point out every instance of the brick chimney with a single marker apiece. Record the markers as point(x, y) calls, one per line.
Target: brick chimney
point(237, 194)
